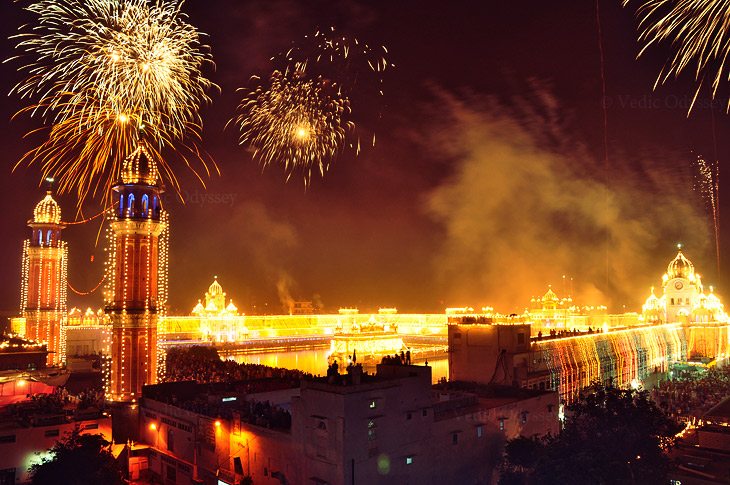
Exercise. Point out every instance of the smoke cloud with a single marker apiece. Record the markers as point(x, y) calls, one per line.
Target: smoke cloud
point(526, 204)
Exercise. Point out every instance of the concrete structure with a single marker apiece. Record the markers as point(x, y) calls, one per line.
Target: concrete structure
point(392, 427)
point(44, 279)
point(136, 277)
point(27, 433)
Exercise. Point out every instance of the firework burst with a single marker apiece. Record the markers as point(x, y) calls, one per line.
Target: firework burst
point(108, 75)
point(299, 122)
point(697, 31)
point(301, 115)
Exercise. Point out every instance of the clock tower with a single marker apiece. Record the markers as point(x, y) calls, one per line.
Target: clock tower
point(682, 288)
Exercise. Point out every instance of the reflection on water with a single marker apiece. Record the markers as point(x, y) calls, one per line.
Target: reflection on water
point(315, 361)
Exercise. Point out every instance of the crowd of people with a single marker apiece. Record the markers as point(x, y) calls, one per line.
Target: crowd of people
point(689, 398)
point(204, 365)
point(567, 333)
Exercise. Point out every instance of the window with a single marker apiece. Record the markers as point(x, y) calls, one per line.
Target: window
point(501, 424)
point(121, 204)
point(671, 301)
point(170, 440)
point(480, 431)
point(373, 404)
point(8, 438)
point(50, 433)
point(425, 412)
point(130, 204)
point(550, 408)
point(171, 473)
point(520, 338)
point(409, 415)
point(523, 417)
point(48, 237)
point(91, 426)
point(409, 460)
point(145, 204)
point(454, 438)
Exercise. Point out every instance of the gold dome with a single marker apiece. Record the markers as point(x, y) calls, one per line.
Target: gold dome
point(47, 211)
point(680, 267)
point(215, 288)
point(139, 168)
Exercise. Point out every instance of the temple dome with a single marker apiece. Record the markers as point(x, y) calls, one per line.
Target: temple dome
point(47, 211)
point(680, 267)
point(215, 288)
point(550, 295)
point(139, 168)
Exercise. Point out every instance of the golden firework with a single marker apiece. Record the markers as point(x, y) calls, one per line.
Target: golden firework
point(698, 33)
point(108, 75)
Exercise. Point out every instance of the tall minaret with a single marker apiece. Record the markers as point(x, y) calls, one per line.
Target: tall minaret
point(136, 276)
point(44, 278)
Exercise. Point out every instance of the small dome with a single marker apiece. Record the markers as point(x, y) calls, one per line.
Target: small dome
point(550, 295)
point(231, 308)
point(680, 267)
point(139, 168)
point(47, 211)
point(198, 309)
point(215, 288)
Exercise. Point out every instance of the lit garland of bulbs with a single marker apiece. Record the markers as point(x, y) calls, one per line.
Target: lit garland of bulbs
point(43, 298)
point(135, 301)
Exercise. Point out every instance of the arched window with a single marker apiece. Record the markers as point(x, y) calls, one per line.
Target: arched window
point(145, 204)
point(130, 204)
point(48, 237)
point(154, 204)
point(121, 204)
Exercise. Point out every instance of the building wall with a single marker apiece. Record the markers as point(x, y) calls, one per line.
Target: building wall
point(486, 353)
point(21, 447)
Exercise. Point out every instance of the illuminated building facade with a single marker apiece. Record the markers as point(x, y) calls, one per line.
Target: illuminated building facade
point(44, 279)
point(685, 323)
point(87, 332)
point(684, 298)
point(136, 277)
point(507, 355)
point(219, 322)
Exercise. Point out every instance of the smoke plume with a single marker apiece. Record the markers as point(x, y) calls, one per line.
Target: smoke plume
point(526, 204)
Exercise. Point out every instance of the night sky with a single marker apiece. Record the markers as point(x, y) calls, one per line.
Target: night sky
point(487, 182)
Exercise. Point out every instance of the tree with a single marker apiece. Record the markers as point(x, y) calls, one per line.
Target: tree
point(611, 436)
point(78, 459)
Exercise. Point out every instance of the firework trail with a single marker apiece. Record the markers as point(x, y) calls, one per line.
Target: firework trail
point(707, 183)
point(301, 115)
point(108, 75)
point(698, 33)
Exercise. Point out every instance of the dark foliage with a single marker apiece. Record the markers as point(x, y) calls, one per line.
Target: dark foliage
point(611, 436)
point(79, 459)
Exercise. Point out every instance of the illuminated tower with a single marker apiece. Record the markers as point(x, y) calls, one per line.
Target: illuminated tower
point(136, 276)
point(43, 293)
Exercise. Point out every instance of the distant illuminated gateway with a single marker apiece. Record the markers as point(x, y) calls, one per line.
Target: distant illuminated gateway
point(683, 299)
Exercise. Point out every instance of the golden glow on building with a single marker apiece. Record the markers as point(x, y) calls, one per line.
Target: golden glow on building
point(136, 276)
point(44, 280)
